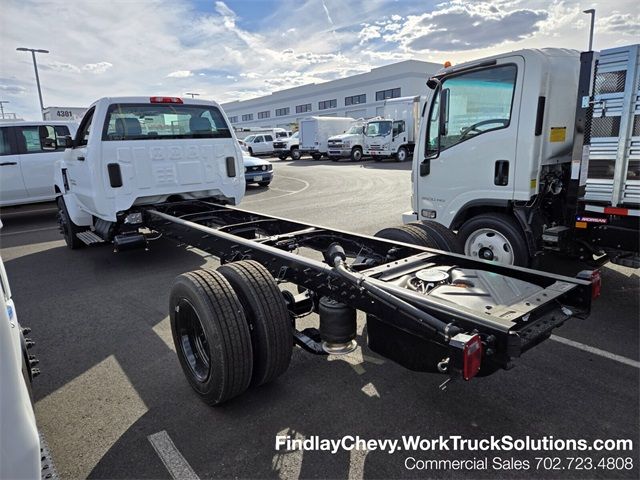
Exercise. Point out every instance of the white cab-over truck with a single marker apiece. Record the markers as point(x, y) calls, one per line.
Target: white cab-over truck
point(534, 150)
point(133, 151)
point(394, 135)
point(315, 133)
point(349, 144)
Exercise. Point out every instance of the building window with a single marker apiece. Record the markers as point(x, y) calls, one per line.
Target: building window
point(355, 99)
point(386, 94)
point(247, 117)
point(303, 108)
point(281, 112)
point(233, 119)
point(265, 114)
point(324, 105)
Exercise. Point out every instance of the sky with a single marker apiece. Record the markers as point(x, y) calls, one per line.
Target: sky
point(238, 49)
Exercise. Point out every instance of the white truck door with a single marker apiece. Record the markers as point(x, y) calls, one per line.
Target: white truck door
point(480, 111)
point(12, 189)
point(268, 144)
point(258, 145)
point(78, 167)
point(38, 157)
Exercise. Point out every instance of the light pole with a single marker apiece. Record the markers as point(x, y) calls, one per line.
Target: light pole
point(591, 12)
point(35, 67)
point(2, 102)
point(193, 95)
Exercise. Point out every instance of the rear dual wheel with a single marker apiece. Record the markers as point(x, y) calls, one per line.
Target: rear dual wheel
point(424, 234)
point(231, 329)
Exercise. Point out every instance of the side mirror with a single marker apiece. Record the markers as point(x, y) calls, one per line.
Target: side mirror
point(425, 167)
point(65, 142)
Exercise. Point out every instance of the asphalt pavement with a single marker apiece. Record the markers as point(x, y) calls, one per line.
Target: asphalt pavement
point(113, 402)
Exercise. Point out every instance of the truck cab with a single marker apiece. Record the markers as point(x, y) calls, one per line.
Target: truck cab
point(349, 144)
point(501, 147)
point(132, 151)
point(393, 134)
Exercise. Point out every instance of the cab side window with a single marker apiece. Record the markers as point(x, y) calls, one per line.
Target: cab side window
point(5, 143)
point(268, 138)
point(85, 127)
point(37, 138)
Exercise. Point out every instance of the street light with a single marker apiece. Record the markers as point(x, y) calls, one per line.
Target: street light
point(591, 12)
point(35, 67)
point(193, 95)
point(2, 107)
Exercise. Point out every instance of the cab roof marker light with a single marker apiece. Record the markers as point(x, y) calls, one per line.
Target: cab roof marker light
point(165, 100)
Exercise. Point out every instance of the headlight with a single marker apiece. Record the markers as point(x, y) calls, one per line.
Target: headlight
point(264, 168)
point(346, 143)
point(386, 146)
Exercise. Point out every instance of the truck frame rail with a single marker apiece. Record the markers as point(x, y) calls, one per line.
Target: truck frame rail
point(416, 299)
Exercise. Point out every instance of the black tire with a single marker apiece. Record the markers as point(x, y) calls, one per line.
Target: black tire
point(67, 227)
point(264, 184)
point(408, 234)
point(211, 335)
point(316, 156)
point(501, 224)
point(250, 150)
point(268, 317)
point(356, 154)
point(283, 156)
point(295, 154)
point(402, 155)
point(444, 238)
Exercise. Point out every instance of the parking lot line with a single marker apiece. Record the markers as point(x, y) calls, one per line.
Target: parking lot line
point(597, 351)
point(29, 231)
point(177, 466)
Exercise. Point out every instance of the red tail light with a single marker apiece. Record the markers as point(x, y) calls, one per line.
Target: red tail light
point(466, 354)
point(165, 100)
point(595, 278)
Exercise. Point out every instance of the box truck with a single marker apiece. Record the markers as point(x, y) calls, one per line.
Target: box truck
point(393, 135)
point(315, 133)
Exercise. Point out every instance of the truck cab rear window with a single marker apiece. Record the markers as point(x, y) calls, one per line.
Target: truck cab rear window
point(163, 121)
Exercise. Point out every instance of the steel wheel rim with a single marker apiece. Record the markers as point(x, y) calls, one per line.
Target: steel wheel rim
point(489, 244)
point(402, 155)
point(357, 155)
point(192, 340)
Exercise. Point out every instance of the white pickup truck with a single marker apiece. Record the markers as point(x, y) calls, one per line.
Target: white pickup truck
point(132, 151)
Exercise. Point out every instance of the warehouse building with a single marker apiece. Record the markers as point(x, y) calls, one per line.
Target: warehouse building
point(357, 96)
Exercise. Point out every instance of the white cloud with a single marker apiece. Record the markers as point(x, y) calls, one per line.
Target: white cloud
point(368, 32)
point(181, 74)
point(97, 68)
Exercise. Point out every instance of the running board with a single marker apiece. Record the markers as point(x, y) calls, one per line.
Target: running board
point(89, 238)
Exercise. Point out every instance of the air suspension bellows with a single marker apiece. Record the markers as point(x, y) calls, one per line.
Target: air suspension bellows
point(337, 327)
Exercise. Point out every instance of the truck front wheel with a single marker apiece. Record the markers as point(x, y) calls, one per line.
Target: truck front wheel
point(295, 154)
point(356, 154)
point(316, 156)
point(496, 237)
point(67, 227)
point(402, 155)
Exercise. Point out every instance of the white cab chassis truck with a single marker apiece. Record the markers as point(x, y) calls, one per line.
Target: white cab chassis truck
point(315, 133)
point(393, 135)
point(531, 151)
point(134, 151)
point(235, 327)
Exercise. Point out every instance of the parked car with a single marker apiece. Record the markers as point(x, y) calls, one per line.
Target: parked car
point(22, 454)
point(28, 153)
point(257, 170)
point(259, 144)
